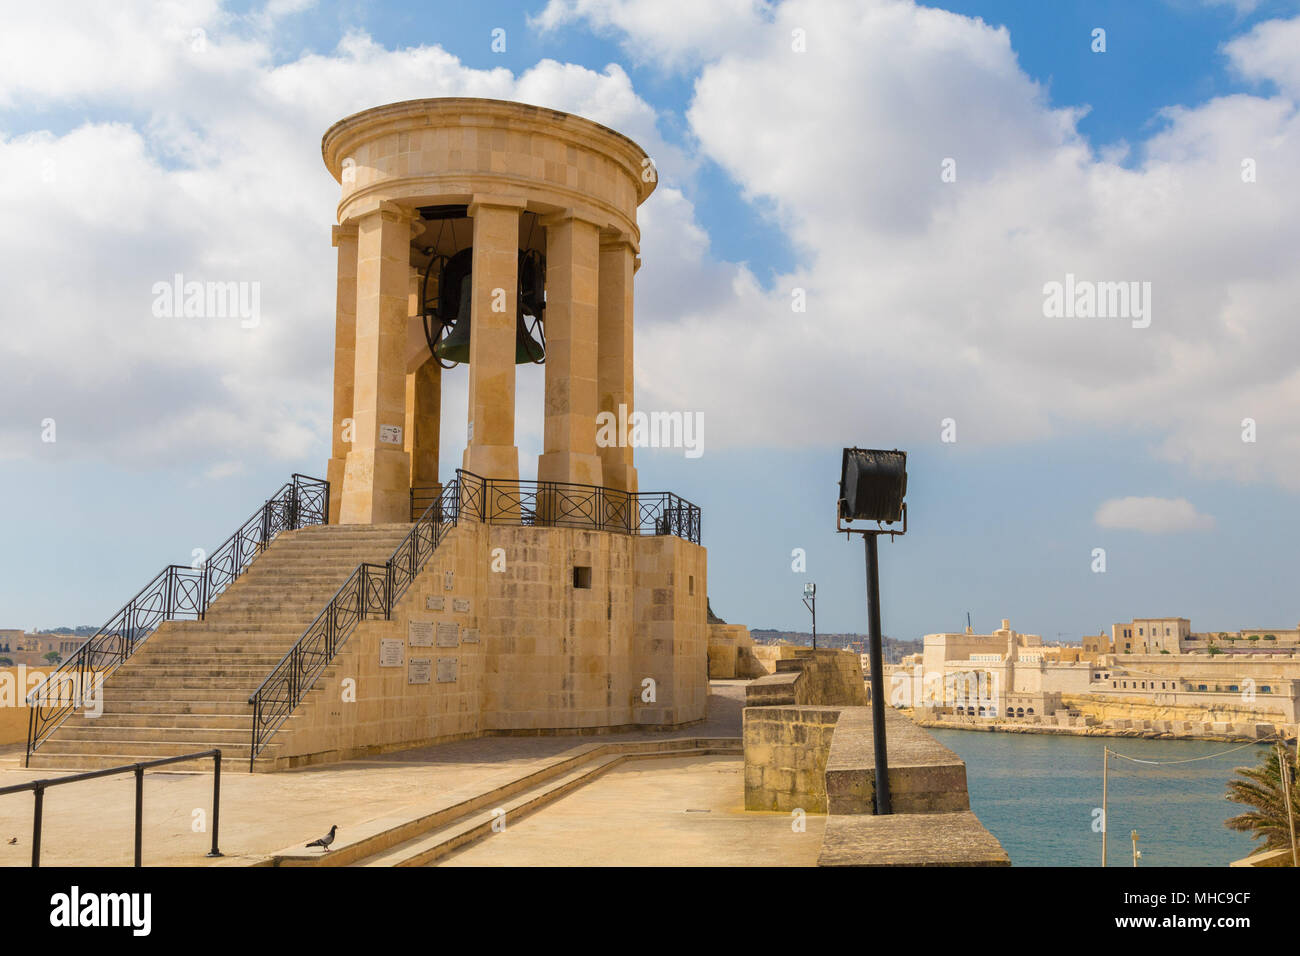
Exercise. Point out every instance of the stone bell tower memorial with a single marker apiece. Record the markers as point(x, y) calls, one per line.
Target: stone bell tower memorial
point(402, 601)
point(477, 235)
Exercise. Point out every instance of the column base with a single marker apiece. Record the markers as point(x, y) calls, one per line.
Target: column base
point(492, 461)
point(570, 466)
point(376, 487)
point(619, 475)
point(334, 471)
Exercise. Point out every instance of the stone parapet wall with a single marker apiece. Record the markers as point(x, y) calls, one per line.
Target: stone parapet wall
point(786, 749)
point(811, 677)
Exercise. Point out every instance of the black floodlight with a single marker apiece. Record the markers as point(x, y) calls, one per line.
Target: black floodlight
point(873, 484)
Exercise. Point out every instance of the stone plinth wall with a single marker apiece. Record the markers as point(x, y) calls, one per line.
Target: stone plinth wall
point(785, 757)
point(526, 651)
point(811, 677)
point(924, 775)
point(822, 760)
point(766, 656)
point(730, 653)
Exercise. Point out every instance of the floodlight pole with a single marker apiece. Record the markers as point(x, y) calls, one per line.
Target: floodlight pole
point(878, 704)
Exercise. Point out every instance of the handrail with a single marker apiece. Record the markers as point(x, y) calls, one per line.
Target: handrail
point(175, 593)
point(372, 590)
point(575, 505)
point(38, 788)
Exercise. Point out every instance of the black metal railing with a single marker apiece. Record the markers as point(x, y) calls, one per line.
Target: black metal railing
point(561, 504)
point(371, 591)
point(38, 788)
point(177, 592)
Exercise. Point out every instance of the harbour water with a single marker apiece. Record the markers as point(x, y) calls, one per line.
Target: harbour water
point(1037, 794)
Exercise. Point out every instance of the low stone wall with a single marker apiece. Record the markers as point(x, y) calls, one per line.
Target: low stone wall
point(924, 775)
point(731, 653)
point(812, 678)
point(786, 749)
point(766, 656)
point(821, 759)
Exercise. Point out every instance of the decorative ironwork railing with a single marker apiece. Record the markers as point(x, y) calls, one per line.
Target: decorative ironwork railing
point(562, 504)
point(372, 591)
point(177, 592)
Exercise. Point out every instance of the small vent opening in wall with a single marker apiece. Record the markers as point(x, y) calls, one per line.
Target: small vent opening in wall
point(582, 577)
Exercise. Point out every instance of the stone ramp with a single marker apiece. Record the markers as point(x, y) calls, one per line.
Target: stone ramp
point(187, 687)
point(463, 816)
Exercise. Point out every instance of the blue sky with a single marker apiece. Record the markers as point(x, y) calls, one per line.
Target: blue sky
point(148, 466)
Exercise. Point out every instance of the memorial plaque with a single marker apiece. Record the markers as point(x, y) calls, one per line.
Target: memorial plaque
point(391, 651)
point(435, 603)
point(419, 633)
point(448, 670)
point(419, 670)
point(448, 634)
point(448, 577)
point(460, 605)
point(390, 434)
point(471, 636)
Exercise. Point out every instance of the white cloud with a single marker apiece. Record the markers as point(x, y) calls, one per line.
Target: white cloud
point(214, 173)
point(1151, 515)
point(924, 297)
point(671, 33)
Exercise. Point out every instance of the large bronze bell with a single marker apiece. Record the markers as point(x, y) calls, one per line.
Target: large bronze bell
point(453, 310)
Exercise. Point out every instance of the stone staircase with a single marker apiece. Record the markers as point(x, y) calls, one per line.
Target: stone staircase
point(187, 687)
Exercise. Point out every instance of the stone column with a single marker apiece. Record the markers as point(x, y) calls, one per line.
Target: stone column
point(376, 483)
point(572, 298)
point(491, 451)
point(423, 417)
point(614, 383)
point(345, 350)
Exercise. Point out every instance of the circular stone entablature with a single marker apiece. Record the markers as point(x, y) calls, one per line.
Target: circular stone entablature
point(447, 150)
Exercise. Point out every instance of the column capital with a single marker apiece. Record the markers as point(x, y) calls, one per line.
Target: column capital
point(615, 240)
point(490, 201)
point(575, 213)
point(343, 233)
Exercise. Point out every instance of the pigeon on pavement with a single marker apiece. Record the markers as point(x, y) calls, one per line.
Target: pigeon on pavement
point(325, 841)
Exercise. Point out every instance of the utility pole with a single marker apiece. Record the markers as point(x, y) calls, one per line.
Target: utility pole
point(810, 602)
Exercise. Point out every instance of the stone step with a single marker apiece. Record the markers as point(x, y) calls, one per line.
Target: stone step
point(285, 616)
point(233, 721)
point(139, 749)
point(195, 738)
point(178, 697)
point(215, 654)
point(145, 709)
point(130, 675)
